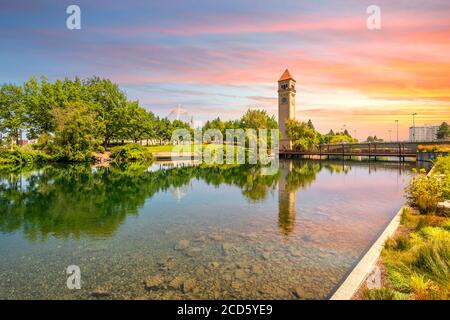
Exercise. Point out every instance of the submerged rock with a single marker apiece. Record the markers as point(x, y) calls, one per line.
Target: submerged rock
point(299, 292)
point(188, 285)
point(256, 269)
point(193, 252)
point(226, 248)
point(235, 285)
point(176, 282)
point(101, 292)
point(200, 238)
point(239, 274)
point(216, 237)
point(167, 265)
point(182, 244)
point(265, 255)
point(153, 282)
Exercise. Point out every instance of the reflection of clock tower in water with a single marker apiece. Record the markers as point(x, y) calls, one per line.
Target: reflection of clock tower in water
point(286, 199)
point(286, 106)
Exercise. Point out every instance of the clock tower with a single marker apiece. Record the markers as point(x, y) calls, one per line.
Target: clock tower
point(286, 106)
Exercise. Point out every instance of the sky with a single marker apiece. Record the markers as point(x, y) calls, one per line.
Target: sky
point(220, 58)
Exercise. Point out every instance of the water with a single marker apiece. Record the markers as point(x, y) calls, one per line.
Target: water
point(192, 232)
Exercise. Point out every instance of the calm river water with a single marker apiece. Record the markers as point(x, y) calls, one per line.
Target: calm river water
point(192, 232)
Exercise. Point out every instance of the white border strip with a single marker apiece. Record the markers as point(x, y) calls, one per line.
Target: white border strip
point(354, 280)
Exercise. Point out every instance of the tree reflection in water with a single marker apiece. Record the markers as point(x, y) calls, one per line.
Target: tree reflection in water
point(76, 200)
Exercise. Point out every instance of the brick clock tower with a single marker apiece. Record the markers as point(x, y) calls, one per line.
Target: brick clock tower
point(286, 106)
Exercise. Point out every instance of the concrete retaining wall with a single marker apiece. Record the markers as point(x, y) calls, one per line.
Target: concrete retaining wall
point(356, 277)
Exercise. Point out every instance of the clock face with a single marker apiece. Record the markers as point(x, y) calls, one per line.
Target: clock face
point(284, 100)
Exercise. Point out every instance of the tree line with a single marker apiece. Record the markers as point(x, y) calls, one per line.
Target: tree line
point(305, 137)
point(73, 118)
point(76, 116)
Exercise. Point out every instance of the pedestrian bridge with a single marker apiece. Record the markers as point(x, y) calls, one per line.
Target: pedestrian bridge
point(371, 150)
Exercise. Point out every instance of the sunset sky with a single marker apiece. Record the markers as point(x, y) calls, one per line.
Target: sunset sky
point(219, 58)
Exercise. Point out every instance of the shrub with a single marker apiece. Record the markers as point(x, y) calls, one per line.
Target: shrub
point(421, 224)
point(421, 286)
point(442, 165)
point(433, 148)
point(22, 156)
point(130, 153)
point(70, 153)
point(433, 259)
point(400, 243)
point(446, 225)
point(100, 149)
point(424, 193)
point(383, 294)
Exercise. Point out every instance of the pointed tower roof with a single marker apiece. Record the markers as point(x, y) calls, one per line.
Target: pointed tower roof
point(286, 76)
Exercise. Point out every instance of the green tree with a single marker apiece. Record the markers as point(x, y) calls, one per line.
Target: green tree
point(139, 123)
point(443, 131)
point(75, 132)
point(373, 139)
point(163, 129)
point(111, 106)
point(215, 124)
point(258, 119)
point(39, 99)
point(302, 136)
point(12, 112)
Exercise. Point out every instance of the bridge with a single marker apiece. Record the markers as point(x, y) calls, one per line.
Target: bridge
point(371, 150)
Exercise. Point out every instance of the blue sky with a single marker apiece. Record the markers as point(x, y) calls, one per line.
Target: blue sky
point(219, 58)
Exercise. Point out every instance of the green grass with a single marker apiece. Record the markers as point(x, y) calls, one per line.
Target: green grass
point(170, 147)
point(383, 294)
point(417, 263)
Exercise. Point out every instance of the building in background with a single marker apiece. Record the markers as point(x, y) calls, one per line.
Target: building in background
point(425, 133)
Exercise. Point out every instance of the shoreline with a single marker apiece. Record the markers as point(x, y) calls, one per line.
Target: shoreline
point(363, 272)
point(350, 286)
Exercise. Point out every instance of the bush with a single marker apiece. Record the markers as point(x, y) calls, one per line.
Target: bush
point(100, 149)
point(433, 148)
point(383, 294)
point(433, 259)
point(421, 286)
point(400, 243)
point(130, 153)
point(22, 156)
point(424, 193)
point(423, 268)
point(69, 153)
point(442, 165)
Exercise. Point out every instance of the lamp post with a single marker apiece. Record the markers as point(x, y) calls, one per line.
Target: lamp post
point(390, 137)
point(396, 121)
point(414, 126)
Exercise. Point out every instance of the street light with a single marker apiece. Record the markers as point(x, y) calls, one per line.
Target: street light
point(396, 121)
point(390, 137)
point(414, 126)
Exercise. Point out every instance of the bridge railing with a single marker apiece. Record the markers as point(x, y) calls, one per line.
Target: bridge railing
point(370, 148)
